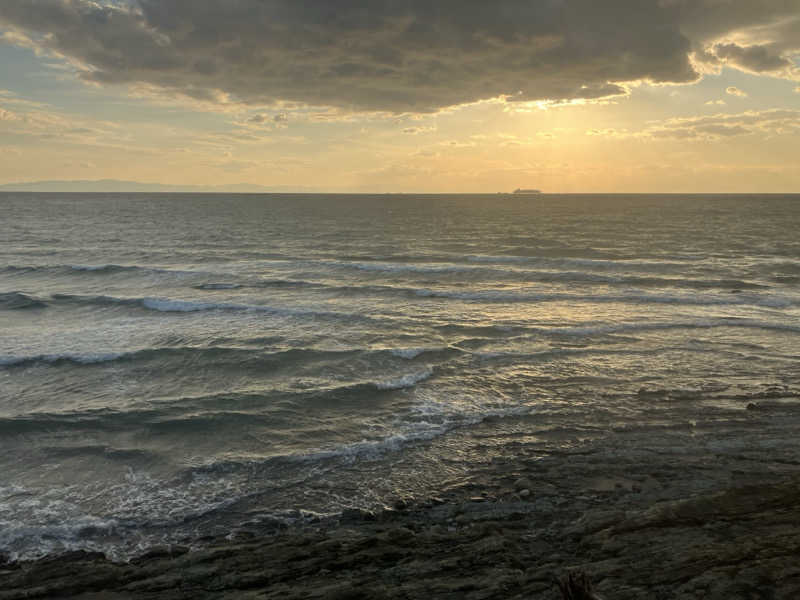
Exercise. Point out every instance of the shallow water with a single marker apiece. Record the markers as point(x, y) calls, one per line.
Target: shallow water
point(173, 366)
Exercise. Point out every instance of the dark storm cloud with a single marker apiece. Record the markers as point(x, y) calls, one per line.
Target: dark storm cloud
point(390, 55)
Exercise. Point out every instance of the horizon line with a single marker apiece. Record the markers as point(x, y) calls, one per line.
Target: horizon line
point(415, 193)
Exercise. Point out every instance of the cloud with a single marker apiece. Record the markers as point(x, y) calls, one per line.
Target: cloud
point(417, 129)
point(7, 115)
point(402, 56)
point(712, 127)
point(609, 132)
point(766, 122)
point(734, 91)
point(20, 118)
point(716, 102)
point(756, 59)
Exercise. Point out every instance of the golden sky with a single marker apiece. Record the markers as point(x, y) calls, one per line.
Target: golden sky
point(435, 96)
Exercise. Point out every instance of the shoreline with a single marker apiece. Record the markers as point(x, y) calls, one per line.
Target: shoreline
point(712, 527)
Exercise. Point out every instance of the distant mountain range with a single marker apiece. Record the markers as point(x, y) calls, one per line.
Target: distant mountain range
point(114, 185)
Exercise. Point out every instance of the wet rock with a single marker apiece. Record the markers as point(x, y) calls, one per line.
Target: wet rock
point(595, 521)
point(401, 504)
point(701, 542)
point(523, 483)
point(357, 514)
point(545, 489)
point(160, 552)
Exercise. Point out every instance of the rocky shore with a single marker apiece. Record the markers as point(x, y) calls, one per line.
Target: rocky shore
point(714, 527)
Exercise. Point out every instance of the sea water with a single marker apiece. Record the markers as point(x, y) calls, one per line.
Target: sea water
point(178, 366)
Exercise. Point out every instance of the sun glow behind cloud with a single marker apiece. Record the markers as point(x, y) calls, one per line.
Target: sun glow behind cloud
point(569, 96)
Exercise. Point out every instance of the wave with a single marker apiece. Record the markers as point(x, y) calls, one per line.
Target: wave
point(594, 330)
point(94, 358)
point(104, 269)
point(431, 422)
point(478, 336)
point(107, 268)
point(500, 272)
point(772, 301)
point(239, 356)
point(156, 304)
point(81, 359)
point(589, 263)
point(108, 452)
point(19, 301)
point(160, 510)
point(493, 295)
point(219, 355)
point(218, 286)
point(412, 353)
point(168, 305)
point(408, 268)
point(208, 412)
point(405, 381)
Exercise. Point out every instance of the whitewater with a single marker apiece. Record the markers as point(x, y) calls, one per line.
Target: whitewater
point(175, 367)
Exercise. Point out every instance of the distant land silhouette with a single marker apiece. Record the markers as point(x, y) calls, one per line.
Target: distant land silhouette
point(114, 185)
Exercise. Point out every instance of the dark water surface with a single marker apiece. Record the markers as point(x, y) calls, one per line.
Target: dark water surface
point(173, 366)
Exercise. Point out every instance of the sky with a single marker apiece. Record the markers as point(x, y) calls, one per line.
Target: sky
point(665, 96)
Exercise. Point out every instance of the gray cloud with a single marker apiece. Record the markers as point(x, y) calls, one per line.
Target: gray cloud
point(393, 55)
point(758, 59)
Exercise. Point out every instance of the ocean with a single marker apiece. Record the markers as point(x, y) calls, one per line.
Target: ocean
point(175, 367)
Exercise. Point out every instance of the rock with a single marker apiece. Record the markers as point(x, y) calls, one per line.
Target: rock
point(595, 521)
point(400, 504)
point(523, 483)
point(160, 552)
point(545, 489)
point(357, 514)
point(577, 586)
point(397, 534)
point(705, 540)
point(524, 493)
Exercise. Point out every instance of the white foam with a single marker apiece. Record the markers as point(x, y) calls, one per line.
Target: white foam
point(433, 419)
point(405, 381)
